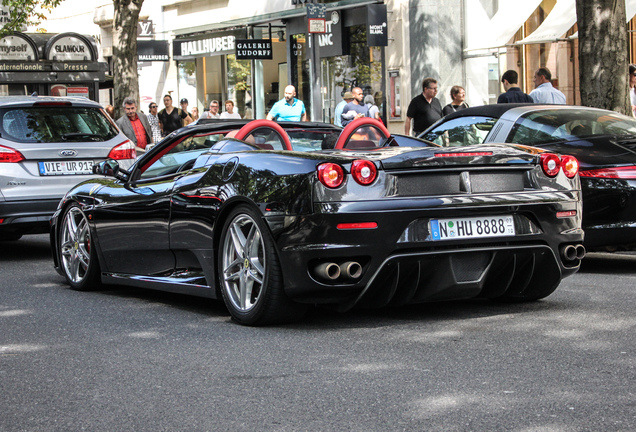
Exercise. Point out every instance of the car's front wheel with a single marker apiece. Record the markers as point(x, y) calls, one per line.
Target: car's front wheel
point(76, 251)
point(250, 275)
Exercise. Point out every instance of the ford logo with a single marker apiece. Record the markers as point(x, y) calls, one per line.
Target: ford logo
point(68, 153)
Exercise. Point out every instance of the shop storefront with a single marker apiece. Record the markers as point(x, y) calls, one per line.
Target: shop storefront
point(322, 67)
point(63, 64)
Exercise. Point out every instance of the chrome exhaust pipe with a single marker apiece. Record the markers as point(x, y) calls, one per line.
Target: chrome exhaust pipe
point(327, 271)
point(580, 252)
point(351, 270)
point(568, 253)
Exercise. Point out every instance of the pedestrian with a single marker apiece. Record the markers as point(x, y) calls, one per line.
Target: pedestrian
point(544, 93)
point(288, 108)
point(229, 111)
point(337, 117)
point(372, 109)
point(513, 94)
point(154, 122)
point(424, 109)
point(184, 107)
point(458, 96)
point(249, 114)
point(110, 110)
point(171, 118)
point(135, 125)
point(213, 113)
point(195, 114)
point(354, 109)
point(632, 87)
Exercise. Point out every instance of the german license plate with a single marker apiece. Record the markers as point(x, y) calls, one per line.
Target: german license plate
point(477, 227)
point(66, 167)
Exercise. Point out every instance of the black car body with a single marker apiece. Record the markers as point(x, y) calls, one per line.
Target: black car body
point(273, 230)
point(604, 142)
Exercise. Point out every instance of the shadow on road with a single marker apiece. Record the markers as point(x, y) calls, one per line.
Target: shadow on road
point(28, 248)
point(609, 263)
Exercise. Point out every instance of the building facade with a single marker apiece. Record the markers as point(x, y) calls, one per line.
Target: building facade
point(189, 49)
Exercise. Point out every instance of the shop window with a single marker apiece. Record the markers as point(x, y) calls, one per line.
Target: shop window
point(239, 85)
point(187, 82)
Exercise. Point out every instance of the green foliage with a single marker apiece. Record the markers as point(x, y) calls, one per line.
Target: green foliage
point(26, 13)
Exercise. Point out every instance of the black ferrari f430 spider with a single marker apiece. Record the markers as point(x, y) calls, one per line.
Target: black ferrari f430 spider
point(274, 217)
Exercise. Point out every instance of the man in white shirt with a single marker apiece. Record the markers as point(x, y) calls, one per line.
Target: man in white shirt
point(214, 111)
point(229, 111)
point(544, 93)
point(337, 117)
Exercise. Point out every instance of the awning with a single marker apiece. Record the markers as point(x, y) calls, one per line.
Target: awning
point(504, 24)
point(561, 19)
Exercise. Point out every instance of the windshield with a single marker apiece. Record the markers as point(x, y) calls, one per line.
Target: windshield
point(56, 124)
point(568, 124)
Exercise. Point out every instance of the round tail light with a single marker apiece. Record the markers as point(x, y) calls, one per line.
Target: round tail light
point(551, 164)
point(364, 171)
point(330, 174)
point(570, 166)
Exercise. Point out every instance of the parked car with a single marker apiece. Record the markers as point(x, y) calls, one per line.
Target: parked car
point(291, 214)
point(47, 146)
point(604, 143)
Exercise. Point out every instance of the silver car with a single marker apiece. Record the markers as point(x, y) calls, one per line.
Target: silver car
point(47, 146)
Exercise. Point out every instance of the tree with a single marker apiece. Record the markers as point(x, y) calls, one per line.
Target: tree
point(125, 18)
point(125, 75)
point(603, 55)
point(26, 13)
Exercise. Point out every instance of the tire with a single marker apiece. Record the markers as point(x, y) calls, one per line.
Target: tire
point(77, 256)
point(249, 272)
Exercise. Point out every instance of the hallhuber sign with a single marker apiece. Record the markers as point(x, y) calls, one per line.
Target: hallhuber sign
point(254, 49)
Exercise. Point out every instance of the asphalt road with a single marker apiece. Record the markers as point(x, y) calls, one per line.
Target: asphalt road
point(136, 360)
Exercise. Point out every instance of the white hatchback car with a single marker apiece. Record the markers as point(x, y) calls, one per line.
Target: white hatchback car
point(47, 146)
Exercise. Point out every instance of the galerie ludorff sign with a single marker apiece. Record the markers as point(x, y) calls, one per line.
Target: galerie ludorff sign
point(254, 49)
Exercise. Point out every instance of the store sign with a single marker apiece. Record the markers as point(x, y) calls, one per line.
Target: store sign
point(77, 91)
point(254, 49)
point(20, 66)
point(184, 49)
point(70, 48)
point(330, 43)
point(144, 28)
point(16, 48)
point(149, 51)
point(317, 18)
point(5, 15)
point(377, 25)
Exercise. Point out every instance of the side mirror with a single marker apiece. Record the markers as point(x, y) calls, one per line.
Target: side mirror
point(110, 168)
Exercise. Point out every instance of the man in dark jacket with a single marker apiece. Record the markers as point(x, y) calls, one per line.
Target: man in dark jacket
point(135, 125)
point(513, 93)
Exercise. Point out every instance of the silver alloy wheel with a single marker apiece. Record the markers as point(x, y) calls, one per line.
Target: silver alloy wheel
point(243, 262)
point(75, 245)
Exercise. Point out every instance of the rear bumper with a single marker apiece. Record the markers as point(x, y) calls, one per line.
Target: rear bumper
point(401, 265)
point(27, 217)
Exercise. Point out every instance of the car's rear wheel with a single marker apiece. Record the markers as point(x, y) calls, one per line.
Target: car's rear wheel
point(76, 251)
point(250, 274)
